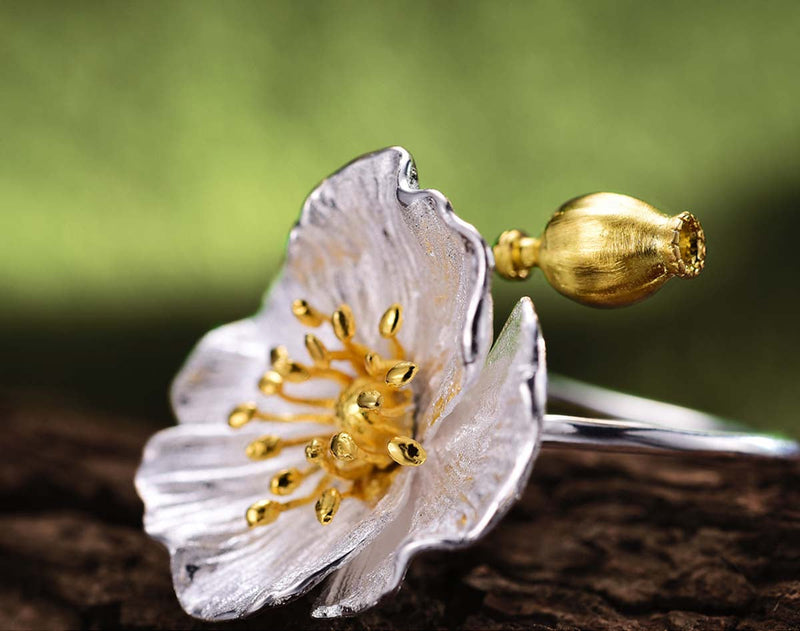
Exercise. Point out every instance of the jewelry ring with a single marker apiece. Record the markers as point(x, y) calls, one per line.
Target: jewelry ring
point(405, 428)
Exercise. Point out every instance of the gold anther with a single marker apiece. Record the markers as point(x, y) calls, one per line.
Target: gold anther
point(369, 400)
point(401, 374)
point(327, 505)
point(279, 358)
point(317, 351)
point(606, 250)
point(271, 383)
point(371, 407)
point(264, 447)
point(344, 324)
point(406, 451)
point(242, 414)
point(344, 447)
point(315, 451)
point(286, 481)
point(307, 315)
point(391, 321)
point(262, 513)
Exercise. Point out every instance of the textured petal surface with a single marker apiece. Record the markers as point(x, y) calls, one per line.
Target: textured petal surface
point(224, 368)
point(369, 237)
point(479, 462)
point(196, 503)
point(198, 481)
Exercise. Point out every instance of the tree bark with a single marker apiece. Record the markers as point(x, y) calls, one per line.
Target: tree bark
point(599, 541)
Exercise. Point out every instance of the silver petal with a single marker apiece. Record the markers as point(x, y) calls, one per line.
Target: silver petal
point(196, 500)
point(197, 481)
point(369, 237)
point(224, 368)
point(366, 237)
point(479, 462)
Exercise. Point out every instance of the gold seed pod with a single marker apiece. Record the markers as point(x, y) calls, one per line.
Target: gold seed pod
point(391, 321)
point(327, 505)
point(307, 315)
point(606, 250)
point(369, 400)
point(344, 324)
point(285, 481)
point(315, 450)
point(264, 447)
point(270, 383)
point(344, 447)
point(262, 513)
point(317, 351)
point(406, 451)
point(401, 374)
point(242, 414)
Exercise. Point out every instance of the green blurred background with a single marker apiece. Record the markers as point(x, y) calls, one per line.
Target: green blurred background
point(155, 155)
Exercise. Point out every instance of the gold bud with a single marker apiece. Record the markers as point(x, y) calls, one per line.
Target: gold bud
point(262, 513)
point(406, 451)
point(264, 447)
point(401, 374)
point(285, 481)
point(307, 315)
point(344, 324)
point(327, 505)
point(391, 321)
point(242, 414)
point(270, 383)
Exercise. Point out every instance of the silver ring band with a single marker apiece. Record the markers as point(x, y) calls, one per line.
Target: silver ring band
point(637, 425)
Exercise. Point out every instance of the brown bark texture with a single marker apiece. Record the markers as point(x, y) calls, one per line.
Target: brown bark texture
point(599, 541)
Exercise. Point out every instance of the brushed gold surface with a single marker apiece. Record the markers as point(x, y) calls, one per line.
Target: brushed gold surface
point(606, 250)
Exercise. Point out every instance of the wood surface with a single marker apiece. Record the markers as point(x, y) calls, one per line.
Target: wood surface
point(598, 542)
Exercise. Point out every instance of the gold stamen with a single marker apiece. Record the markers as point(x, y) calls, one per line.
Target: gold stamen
point(262, 513)
point(315, 451)
point(401, 374)
point(370, 400)
point(406, 451)
point(327, 505)
point(307, 315)
point(269, 446)
point(264, 447)
point(317, 351)
point(286, 481)
point(344, 324)
point(344, 447)
point(389, 327)
point(242, 414)
point(371, 408)
point(279, 358)
point(271, 383)
point(391, 321)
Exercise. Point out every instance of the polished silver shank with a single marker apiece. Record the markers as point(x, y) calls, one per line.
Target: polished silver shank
point(638, 425)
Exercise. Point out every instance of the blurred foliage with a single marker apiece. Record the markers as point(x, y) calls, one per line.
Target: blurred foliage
point(155, 156)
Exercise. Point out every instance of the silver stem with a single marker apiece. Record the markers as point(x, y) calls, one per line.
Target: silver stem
point(637, 425)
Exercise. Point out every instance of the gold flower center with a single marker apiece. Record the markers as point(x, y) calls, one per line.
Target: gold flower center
point(373, 418)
